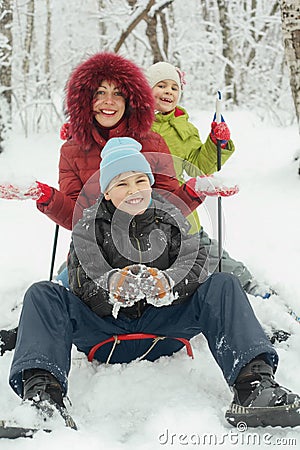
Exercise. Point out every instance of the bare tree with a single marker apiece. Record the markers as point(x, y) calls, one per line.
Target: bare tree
point(290, 14)
point(28, 36)
point(103, 41)
point(6, 16)
point(133, 24)
point(228, 51)
point(153, 19)
point(48, 39)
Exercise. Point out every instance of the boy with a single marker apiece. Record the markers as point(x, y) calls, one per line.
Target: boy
point(133, 268)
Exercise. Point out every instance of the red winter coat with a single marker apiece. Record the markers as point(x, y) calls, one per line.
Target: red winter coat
point(80, 157)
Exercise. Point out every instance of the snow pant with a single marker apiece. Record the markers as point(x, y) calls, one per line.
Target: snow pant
point(229, 265)
point(53, 319)
point(63, 277)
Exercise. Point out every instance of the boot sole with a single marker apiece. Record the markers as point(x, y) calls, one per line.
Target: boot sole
point(274, 416)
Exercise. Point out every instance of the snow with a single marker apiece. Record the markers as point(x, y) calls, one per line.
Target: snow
point(174, 402)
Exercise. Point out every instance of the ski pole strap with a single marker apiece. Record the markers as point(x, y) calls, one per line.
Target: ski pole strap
point(135, 336)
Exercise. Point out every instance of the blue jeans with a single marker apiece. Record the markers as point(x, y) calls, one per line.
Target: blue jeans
point(53, 319)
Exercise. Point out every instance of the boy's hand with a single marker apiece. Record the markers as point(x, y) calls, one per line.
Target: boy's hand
point(157, 287)
point(124, 287)
point(155, 283)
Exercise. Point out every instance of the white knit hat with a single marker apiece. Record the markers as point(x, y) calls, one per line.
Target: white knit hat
point(163, 71)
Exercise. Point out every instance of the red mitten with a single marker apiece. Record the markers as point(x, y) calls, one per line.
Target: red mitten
point(220, 132)
point(214, 186)
point(46, 193)
point(36, 191)
point(65, 133)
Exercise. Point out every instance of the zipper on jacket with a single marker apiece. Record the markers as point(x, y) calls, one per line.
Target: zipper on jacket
point(78, 278)
point(133, 224)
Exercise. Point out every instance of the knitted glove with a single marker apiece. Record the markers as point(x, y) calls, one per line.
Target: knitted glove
point(65, 133)
point(220, 131)
point(40, 192)
point(124, 287)
point(46, 193)
point(156, 286)
point(210, 185)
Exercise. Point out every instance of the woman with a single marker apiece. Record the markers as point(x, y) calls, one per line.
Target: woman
point(107, 96)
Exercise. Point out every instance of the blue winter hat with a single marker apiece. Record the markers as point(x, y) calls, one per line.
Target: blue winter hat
point(122, 155)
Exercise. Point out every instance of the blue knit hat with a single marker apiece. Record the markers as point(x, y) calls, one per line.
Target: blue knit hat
point(122, 155)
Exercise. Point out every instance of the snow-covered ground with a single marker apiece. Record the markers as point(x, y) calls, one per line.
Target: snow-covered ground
point(175, 402)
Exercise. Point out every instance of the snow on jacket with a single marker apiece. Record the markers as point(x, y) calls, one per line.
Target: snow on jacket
point(80, 157)
point(106, 238)
point(191, 156)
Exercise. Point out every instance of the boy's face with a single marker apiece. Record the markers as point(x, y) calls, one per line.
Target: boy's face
point(166, 95)
point(130, 192)
point(108, 104)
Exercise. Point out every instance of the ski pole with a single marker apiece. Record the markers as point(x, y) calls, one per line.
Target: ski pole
point(54, 251)
point(219, 165)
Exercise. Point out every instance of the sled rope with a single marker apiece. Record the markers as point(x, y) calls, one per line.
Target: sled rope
point(133, 336)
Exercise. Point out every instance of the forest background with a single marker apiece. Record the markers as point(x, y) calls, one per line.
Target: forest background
point(248, 49)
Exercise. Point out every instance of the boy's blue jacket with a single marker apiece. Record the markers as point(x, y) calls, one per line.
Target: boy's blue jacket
point(107, 238)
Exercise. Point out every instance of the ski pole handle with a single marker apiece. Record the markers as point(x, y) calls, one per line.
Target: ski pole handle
point(218, 107)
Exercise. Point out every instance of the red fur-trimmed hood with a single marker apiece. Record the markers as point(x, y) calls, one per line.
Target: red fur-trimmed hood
point(85, 80)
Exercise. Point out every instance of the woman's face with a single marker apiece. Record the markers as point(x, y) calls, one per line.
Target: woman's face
point(108, 104)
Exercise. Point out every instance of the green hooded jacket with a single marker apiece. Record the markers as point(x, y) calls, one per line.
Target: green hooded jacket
point(190, 155)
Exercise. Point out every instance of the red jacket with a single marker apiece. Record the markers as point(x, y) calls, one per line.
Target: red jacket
point(79, 174)
point(80, 157)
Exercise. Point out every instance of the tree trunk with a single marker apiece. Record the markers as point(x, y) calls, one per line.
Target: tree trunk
point(5, 70)
point(227, 51)
point(28, 36)
point(290, 14)
point(48, 41)
point(103, 40)
point(132, 25)
point(151, 32)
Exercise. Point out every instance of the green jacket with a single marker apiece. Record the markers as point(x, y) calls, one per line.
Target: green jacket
point(190, 155)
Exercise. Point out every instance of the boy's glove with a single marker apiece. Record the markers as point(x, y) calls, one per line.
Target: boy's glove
point(40, 192)
point(154, 283)
point(124, 287)
point(220, 131)
point(210, 185)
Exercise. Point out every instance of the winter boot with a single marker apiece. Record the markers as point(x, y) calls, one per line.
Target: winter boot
point(45, 392)
point(7, 340)
point(259, 289)
point(259, 401)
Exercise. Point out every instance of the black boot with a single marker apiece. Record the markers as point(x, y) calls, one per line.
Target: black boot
point(259, 401)
point(8, 340)
point(45, 392)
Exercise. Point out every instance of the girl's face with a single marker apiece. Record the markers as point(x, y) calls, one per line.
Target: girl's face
point(166, 94)
point(130, 192)
point(108, 104)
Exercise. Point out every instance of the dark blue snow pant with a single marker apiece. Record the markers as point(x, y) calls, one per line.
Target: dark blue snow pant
point(53, 319)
